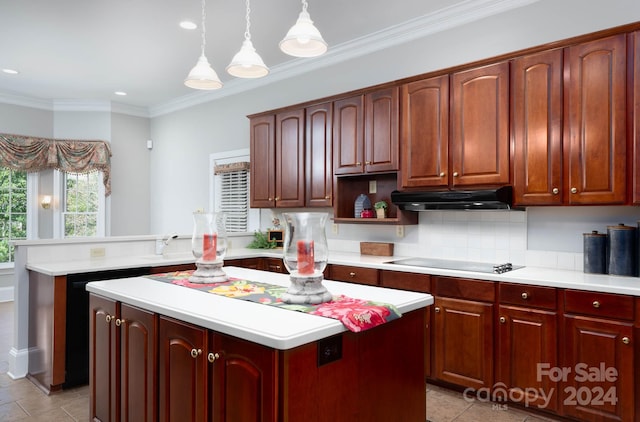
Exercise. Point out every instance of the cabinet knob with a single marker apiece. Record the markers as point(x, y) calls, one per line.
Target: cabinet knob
point(211, 357)
point(108, 318)
point(555, 191)
point(574, 190)
point(596, 304)
point(367, 163)
point(270, 199)
point(626, 340)
point(524, 295)
point(119, 322)
point(352, 274)
point(278, 267)
point(277, 198)
point(442, 174)
point(455, 174)
point(358, 163)
point(327, 197)
point(437, 309)
point(195, 353)
point(502, 320)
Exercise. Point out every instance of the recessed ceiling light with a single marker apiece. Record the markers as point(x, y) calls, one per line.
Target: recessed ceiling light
point(121, 93)
point(188, 25)
point(10, 71)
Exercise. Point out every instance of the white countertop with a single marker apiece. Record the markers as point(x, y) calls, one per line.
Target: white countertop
point(267, 325)
point(528, 275)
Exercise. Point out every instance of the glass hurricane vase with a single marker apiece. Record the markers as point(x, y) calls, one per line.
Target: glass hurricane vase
point(305, 257)
point(209, 247)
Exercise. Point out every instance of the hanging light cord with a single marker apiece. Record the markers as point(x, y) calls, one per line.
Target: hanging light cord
point(304, 5)
point(247, 33)
point(204, 30)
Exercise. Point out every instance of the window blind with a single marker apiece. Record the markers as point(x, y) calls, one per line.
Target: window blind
point(233, 195)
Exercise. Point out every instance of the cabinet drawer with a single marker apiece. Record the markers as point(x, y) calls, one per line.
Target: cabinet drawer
point(354, 274)
point(528, 296)
point(599, 304)
point(406, 281)
point(465, 288)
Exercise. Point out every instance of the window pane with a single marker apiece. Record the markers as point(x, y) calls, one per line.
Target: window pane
point(81, 204)
point(13, 210)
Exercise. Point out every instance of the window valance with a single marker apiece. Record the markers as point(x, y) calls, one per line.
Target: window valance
point(30, 154)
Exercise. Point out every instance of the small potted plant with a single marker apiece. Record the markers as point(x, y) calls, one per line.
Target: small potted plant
point(381, 209)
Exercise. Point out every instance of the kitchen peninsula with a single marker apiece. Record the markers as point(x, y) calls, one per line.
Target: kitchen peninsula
point(241, 360)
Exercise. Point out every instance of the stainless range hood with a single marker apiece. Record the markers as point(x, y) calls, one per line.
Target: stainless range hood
point(485, 199)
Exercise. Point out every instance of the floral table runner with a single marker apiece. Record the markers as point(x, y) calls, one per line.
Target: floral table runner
point(356, 314)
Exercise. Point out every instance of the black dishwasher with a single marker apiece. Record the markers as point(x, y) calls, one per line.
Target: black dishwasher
point(77, 342)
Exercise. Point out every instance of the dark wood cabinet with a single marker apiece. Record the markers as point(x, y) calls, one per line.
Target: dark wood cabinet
point(274, 265)
point(537, 128)
point(598, 347)
point(463, 332)
point(479, 147)
point(636, 117)
point(527, 337)
point(319, 155)
point(277, 160)
point(424, 136)
point(595, 134)
point(353, 274)
point(123, 362)
point(348, 136)
point(381, 122)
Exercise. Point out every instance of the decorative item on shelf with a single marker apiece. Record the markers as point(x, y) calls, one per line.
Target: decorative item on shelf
point(594, 252)
point(367, 213)
point(209, 246)
point(276, 236)
point(362, 202)
point(621, 250)
point(381, 209)
point(305, 257)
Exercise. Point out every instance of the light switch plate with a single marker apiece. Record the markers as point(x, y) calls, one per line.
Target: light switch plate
point(96, 252)
point(400, 231)
point(373, 186)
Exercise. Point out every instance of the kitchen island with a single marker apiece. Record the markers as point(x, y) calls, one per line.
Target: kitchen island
point(160, 351)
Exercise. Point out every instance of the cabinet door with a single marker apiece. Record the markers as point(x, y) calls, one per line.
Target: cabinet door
point(463, 342)
point(274, 265)
point(138, 364)
point(319, 155)
point(243, 381)
point(537, 128)
point(599, 354)
point(597, 143)
point(636, 117)
point(262, 155)
point(183, 371)
point(479, 147)
point(381, 147)
point(526, 338)
point(104, 375)
point(348, 140)
point(424, 137)
point(290, 159)
point(351, 274)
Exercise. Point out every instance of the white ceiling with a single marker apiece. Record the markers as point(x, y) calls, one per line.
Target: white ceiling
point(86, 50)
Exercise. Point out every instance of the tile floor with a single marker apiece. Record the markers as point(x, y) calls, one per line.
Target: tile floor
point(20, 400)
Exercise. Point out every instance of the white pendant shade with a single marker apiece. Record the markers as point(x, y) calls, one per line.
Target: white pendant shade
point(202, 76)
point(303, 39)
point(247, 63)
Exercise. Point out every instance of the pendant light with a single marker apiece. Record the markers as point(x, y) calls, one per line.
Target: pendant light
point(303, 39)
point(202, 76)
point(247, 63)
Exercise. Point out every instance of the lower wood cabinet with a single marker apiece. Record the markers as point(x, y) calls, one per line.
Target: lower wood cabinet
point(352, 274)
point(122, 362)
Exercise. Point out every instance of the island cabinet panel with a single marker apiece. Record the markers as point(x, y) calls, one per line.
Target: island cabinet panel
point(183, 388)
point(319, 155)
point(480, 145)
point(463, 332)
point(123, 362)
point(598, 350)
point(596, 136)
point(424, 136)
point(537, 128)
point(527, 337)
point(263, 166)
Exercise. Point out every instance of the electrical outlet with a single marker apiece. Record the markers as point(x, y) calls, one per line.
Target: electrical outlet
point(96, 252)
point(373, 186)
point(400, 231)
point(334, 228)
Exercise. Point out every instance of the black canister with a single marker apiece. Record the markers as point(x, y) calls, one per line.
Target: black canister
point(595, 252)
point(621, 250)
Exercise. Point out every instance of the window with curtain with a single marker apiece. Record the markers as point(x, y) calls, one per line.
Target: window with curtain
point(13, 210)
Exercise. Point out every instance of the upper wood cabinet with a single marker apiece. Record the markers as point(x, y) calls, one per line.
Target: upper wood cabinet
point(596, 140)
point(277, 160)
point(636, 117)
point(424, 136)
point(319, 155)
point(479, 145)
point(537, 128)
point(365, 133)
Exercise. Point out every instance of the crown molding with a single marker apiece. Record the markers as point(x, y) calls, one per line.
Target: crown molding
point(23, 101)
